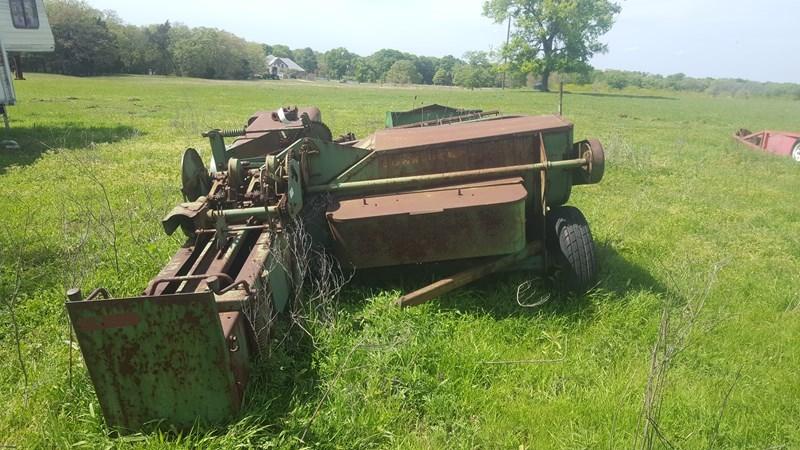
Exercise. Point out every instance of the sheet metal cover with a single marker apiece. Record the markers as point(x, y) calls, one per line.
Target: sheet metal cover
point(417, 137)
point(153, 358)
point(263, 122)
point(431, 201)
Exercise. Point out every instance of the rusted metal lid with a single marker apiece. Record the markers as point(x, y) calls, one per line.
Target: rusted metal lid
point(396, 138)
point(431, 201)
point(264, 121)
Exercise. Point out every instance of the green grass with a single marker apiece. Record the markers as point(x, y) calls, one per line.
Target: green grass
point(679, 199)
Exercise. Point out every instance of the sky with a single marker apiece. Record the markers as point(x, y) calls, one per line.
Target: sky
point(701, 38)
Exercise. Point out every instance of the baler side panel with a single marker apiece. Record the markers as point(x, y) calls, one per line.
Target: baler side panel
point(448, 223)
point(153, 358)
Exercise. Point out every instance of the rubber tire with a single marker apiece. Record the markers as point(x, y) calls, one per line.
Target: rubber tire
point(572, 248)
point(795, 151)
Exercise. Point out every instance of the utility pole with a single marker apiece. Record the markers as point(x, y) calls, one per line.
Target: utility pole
point(505, 58)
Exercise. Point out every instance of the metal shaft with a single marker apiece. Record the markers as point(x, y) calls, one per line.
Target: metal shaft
point(241, 215)
point(427, 180)
point(442, 287)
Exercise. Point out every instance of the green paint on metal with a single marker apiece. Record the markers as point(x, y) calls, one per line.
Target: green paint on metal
point(422, 181)
point(327, 160)
point(218, 151)
point(154, 358)
point(559, 180)
point(233, 216)
point(424, 114)
point(276, 265)
point(295, 188)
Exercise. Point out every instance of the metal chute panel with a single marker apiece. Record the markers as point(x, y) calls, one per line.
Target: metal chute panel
point(162, 358)
point(425, 114)
point(441, 224)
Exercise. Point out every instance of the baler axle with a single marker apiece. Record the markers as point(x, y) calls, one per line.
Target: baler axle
point(422, 181)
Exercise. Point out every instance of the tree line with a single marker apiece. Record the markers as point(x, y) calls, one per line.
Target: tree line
point(729, 87)
point(93, 42)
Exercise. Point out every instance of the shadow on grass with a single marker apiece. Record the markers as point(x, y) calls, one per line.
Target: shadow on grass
point(288, 376)
point(620, 95)
point(36, 140)
point(496, 294)
point(279, 378)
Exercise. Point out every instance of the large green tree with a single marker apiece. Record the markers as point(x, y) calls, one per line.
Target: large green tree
point(478, 71)
point(306, 58)
point(338, 63)
point(84, 43)
point(281, 51)
point(553, 35)
point(211, 53)
point(426, 66)
point(442, 77)
point(365, 72)
point(384, 59)
point(159, 59)
point(403, 72)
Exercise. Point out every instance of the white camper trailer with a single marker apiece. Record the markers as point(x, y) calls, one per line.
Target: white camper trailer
point(23, 28)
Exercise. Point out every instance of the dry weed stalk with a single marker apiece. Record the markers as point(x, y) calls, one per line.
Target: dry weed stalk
point(315, 277)
point(673, 337)
point(9, 295)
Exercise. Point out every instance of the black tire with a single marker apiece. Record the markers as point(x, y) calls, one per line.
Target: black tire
point(796, 151)
point(572, 248)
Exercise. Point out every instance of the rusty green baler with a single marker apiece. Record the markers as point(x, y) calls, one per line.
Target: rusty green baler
point(458, 185)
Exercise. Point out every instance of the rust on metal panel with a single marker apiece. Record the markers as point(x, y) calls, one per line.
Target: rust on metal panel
point(172, 364)
point(272, 131)
point(179, 265)
point(254, 264)
point(461, 221)
point(427, 201)
point(234, 331)
point(229, 322)
point(454, 157)
point(108, 322)
point(461, 147)
point(392, 139)
point(264, 122)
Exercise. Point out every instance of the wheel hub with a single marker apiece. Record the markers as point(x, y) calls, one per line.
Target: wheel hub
point(796, 153)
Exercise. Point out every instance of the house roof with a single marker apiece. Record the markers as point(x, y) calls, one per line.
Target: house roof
point(291, 65)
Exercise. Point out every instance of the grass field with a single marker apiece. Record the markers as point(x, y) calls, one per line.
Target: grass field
point(686, 222)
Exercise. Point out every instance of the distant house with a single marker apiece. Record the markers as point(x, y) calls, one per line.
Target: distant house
point(284, 68)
